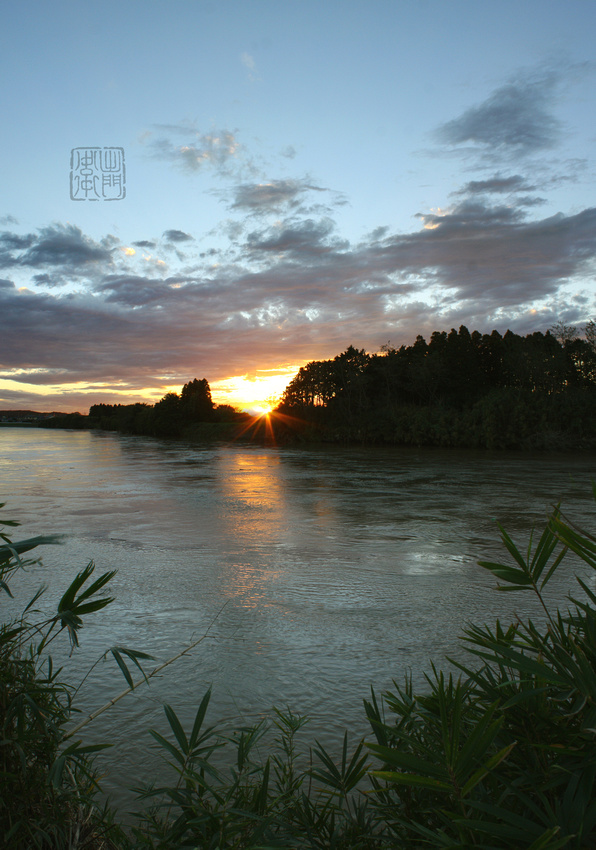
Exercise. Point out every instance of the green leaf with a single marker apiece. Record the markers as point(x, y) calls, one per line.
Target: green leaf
point(509, 574)
point(135, 656)
point(413, 780)
point(177, 729)
point(261, 798)
point(409, 761)
point(486, 768)
point(71, 607)
point(13, 549)
point(168, 746)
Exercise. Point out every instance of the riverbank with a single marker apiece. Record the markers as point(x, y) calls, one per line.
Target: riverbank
point(530, 425)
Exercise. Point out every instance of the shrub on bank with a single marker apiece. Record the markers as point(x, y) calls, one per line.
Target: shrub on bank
point(504, 755)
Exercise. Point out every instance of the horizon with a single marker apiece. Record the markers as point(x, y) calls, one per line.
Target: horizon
point(261, 192)
point(257, 408)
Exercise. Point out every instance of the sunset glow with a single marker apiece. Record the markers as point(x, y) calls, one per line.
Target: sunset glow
point(258, 392)
point(218, 238)
point(259, 410)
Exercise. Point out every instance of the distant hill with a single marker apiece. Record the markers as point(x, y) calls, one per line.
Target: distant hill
point(26, 415)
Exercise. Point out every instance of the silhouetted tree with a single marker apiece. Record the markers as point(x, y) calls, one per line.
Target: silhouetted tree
point(459, 389)
point(195, 401)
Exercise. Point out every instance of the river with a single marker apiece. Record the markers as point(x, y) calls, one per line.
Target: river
point(322, 571)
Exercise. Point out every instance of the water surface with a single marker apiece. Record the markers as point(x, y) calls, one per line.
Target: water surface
point(321, 571)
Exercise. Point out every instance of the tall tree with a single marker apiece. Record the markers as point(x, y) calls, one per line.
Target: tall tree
point(196, 402)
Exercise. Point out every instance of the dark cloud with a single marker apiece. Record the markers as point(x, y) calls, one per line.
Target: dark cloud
point(378, 233)
point(63, 245)
point(14, 242)
point(109, 241)
point(488, 260)
point(134, 291)
point(516, 119)
point(266, 197)
point(49, 280)
point(145, 243)
point(471, 215)
point(530, 201)
point(10, 246)
point(177, 236)
point(300, 239)
point(43, 378)
point(303, 293)
point(495, 185)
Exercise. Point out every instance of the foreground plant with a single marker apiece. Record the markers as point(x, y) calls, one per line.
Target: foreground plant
point(246, 801)
point(504, 756)
point(48, 785)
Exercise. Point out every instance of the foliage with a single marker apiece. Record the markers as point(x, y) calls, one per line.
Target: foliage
point(47, 783)
point(504, 755)
point(459, 389)
point(173, 416)
point(255, 803)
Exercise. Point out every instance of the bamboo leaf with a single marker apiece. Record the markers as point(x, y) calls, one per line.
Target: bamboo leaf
point(409, 761)
point(177, 729)
point(486, 768)
point(413, 780)
point(135, 656)
point(507, 573)
point(168, 746)
point(9, 551)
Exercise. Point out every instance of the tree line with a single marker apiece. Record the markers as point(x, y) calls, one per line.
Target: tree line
point(457, 389)
point(190, 413)
point(172, 416)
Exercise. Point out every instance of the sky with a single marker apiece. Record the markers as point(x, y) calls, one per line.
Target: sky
point(228, 190)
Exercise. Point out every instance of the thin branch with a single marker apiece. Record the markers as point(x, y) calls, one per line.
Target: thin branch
point(144, 679)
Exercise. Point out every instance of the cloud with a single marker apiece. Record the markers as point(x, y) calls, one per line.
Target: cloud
point(488, 256)
point(279, 283)
point(250, 65)
point(470, 215)
point(11, 243)
point(516, 119)
point(14, 242)
point(49, 280)
point(496, 185)
point(133, 291)
point(298, 239)
point(63, 245)
point(60, 246)
point(176, 236)
point(217, 149)
point(298, 290)
point(272, 196)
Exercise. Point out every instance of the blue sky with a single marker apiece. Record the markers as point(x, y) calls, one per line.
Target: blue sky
point(300, 177)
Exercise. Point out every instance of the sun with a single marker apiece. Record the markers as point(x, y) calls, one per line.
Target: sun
point(259, 410)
